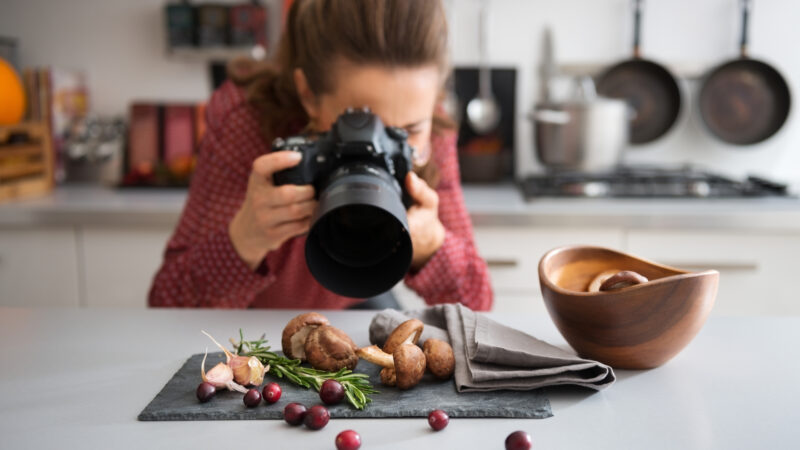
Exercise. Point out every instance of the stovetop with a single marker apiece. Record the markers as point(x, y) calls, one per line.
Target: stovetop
point(649, 182)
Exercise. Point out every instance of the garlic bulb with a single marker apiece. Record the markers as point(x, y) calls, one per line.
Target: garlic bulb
point(246, 370)
point(220, 376)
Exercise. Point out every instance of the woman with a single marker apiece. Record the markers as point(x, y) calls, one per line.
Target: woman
point(240, 239)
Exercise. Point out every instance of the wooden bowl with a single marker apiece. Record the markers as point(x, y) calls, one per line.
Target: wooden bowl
point(637, 327)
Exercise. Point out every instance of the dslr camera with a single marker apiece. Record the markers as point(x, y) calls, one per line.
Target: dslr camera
point(359, 243)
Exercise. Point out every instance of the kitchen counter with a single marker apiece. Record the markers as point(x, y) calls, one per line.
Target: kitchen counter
point(489, 205)
point(78, 379)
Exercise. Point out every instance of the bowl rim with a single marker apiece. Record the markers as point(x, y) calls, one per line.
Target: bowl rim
point(683, 274)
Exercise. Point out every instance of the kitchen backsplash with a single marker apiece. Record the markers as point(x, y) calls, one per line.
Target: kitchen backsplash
point(125, 58)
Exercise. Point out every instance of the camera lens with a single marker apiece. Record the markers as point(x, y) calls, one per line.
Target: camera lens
point(359, 245)
point(360, 235)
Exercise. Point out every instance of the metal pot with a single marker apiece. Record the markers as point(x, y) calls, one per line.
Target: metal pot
point(587, 134)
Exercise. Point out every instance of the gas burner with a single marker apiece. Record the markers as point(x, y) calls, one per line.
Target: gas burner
point(649, 182)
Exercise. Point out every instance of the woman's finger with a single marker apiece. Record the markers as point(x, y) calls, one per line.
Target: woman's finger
point(265, 166)
point(290, 229)
point(293, 212)
point(288, 194)
point(421, 192)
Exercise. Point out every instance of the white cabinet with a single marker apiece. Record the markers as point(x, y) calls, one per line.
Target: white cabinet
point(120, 263)
point(758, 272)
point(513, 253)
point(39, 267)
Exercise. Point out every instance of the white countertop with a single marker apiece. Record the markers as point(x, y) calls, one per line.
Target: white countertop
point(489, 205)
point(78, 378)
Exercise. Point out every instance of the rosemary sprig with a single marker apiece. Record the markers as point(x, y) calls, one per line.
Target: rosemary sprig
point(356, 385)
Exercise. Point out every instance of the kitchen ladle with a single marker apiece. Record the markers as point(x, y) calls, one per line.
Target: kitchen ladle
point(483, 112)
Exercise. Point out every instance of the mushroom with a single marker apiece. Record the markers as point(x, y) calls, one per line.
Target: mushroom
point(594, 285)
point(407, 361)
point(621, 280)
point(407, 332)
point(331, 349)
point(388, 377)
point(439, 358)
point(294, 336)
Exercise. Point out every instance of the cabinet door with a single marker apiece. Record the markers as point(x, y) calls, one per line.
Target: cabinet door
point(758, 272)
point(121, 262)
point(39, 267)
point(513, 254)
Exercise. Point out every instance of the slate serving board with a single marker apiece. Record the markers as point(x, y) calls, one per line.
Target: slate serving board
point(177, 400)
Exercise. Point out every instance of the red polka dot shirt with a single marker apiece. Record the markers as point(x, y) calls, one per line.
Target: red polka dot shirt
point(202, 269)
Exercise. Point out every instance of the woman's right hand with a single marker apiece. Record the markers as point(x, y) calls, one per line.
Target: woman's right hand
point(270, 215)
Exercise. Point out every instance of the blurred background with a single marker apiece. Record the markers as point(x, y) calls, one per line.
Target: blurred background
point(680, 158)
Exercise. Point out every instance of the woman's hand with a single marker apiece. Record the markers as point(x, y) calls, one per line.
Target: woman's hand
point(270, 215)
point(427, 232)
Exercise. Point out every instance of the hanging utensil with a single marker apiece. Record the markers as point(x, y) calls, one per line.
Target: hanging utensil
point(744, 101)
point(650, 89)
point(483, 112)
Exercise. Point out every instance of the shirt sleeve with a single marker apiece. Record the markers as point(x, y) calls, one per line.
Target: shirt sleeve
point(201, 267)
point(455, 273)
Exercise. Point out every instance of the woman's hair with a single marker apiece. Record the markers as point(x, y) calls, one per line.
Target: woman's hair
point(390, 33)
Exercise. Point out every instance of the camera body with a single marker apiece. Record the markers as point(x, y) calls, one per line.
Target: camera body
point(358, 141)
point(359, 244)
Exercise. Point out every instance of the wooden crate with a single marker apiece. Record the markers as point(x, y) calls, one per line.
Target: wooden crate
point(26, 160)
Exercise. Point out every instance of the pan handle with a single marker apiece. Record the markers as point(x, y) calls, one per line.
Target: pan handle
point(747, 8)
point(637, 28)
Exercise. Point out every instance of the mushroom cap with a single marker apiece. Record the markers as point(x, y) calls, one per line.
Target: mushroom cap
point(329, 348)
point(409, 365)
point(600, 278)
point(439, 358)
point(296, 331)
point(388, 377)
point(622, 279)
point(407, 332)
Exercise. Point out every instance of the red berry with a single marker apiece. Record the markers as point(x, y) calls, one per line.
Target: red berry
point(271, 393)
point(331, 392)
point(438, 419)
point(348, 440)
point(518, 440)
point(252, 398)
point(317, 417)
point(294, 413)
point(205, 391)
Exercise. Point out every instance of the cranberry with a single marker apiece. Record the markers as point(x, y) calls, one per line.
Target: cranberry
point(271, 393)
point(205, 391)
point(294, 413)
point(331, 392)
point(438, 419)
point(518, 440)
point(252, 398)
point(348, 440)
point(317, 417)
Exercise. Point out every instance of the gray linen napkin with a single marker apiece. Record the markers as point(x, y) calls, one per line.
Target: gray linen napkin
point(490, 356)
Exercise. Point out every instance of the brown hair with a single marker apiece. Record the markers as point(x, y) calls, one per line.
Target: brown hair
point(391, 33)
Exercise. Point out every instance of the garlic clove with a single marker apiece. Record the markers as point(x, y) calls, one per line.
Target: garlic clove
point(220, 376)
point(247, 370)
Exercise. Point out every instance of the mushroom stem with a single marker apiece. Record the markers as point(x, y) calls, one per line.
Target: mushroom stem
point(377, 356)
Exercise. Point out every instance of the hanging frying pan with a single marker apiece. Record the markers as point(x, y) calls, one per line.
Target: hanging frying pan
point(744, 101)
point(649, 88)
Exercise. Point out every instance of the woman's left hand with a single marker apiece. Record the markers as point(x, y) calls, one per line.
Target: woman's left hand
point(427, 232)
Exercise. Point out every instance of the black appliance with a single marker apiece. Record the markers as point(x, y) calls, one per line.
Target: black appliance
point(649, 182)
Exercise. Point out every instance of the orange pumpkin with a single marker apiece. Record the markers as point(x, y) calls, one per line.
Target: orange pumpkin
point(12, 95)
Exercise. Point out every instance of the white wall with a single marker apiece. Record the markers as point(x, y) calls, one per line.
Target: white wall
point(120, 44)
